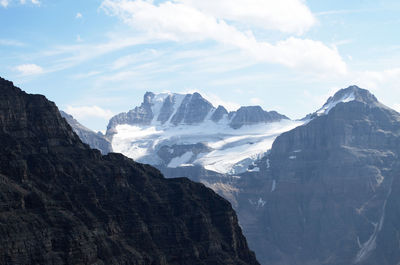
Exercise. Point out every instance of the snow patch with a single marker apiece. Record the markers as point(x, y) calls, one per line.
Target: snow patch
point(180, 160)
point(273, 188)
point(259, 203)
point(331, 104)
point(256, 169)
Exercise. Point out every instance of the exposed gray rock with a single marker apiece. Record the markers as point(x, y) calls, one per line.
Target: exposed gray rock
point(167, 109)
point(95, 140)
point(219, 114)
point(253, 115)
point(167, 153)
point(194, 109)
point(142, 115)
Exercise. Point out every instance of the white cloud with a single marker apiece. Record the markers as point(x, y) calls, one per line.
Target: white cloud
point(4, 3)
point(376, 80)
point(29, 69)
point(289, 16)
point(87, 112)
point(181, 22)
point(78, 15)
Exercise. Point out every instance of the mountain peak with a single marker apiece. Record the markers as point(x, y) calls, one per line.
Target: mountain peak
point(172, 109)
point(351, 93)
point(358, 93)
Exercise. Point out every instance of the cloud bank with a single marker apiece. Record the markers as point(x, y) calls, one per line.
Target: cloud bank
point(232, 24)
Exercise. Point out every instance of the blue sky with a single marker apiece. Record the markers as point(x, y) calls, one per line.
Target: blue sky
point(96, 58)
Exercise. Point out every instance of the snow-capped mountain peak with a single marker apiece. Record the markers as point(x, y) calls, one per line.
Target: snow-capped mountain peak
point(351, 93)
point(174, 130)
point(171, 109)
point(333, 101)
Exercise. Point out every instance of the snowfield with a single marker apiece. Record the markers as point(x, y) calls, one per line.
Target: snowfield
point(232, 150)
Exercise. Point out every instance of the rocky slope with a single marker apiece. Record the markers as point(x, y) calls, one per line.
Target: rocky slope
point(327, 191)
point(94, 140)
point(64, 203)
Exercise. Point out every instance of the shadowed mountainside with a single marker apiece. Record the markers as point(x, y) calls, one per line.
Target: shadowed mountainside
point(64, 203)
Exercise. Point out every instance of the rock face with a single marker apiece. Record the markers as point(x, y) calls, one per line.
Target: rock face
point(327, 192)
point(142, 115)
point(190, 109)
point(64, 203)
point(253, 115)
point(193, 109)
point(94, 140)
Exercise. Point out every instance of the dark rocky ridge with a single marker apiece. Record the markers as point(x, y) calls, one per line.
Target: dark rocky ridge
point(327, 193)
point(94, 140)
point(64, 203)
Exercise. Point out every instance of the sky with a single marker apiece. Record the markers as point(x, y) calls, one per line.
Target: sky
point(97, 58)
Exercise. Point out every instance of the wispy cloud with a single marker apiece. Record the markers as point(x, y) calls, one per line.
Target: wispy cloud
point(344, 11)
point(15, 43)
point(67, 56)
point(85, 112)
point(6, 3)
point(29, 69)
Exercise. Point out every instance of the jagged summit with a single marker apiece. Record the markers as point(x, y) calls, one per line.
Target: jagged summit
point(172, 109)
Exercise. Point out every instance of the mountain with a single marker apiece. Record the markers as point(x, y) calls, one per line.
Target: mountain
point(326, 191)
point(64, 203)
point(95, 140)
point(322, 190)
point(173, 130)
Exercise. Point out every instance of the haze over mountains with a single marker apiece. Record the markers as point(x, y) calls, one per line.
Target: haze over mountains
point(322, 190)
